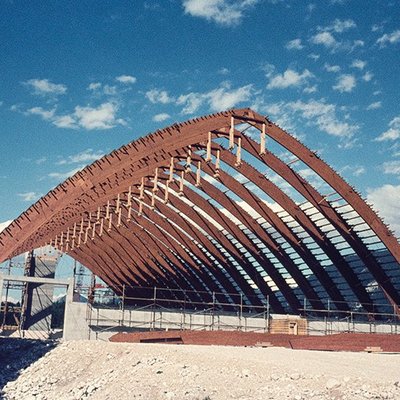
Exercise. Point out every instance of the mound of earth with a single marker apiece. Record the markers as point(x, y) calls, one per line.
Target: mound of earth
point(104, 370)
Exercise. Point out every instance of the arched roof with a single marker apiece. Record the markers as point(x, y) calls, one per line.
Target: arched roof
point(226, 203)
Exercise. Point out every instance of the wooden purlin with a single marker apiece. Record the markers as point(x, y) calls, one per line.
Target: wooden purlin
point(217, 235)
point(183, 223)
point(352, 197)
point(304, 221)
point(220, 218)
point(247, 220)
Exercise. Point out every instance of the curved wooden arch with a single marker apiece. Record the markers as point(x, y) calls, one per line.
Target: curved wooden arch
point(140, 216)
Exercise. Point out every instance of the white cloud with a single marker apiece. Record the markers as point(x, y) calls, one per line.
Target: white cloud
point(224, 98)
point(290, 78)
point(62, 176)
point(94, 86)
point(65, 121)
point(355, 170)
point(45, 114)
point(41, 160)
point(316, 113)
point(45, 87)
point(310, 89)
point(331, 68)
point(110, 90)
point(3, 225)
point(159, 96)
point(326, 39)
point(161, 117)
point(390, 38)
point(359, 171)
point(386, 199)
point(314, 56)
point(325, 36)
point(223, 71)
point(340, 26)
point(126, 79)
point(367, 76)
point(29, 196)
point(294, 44)
point(222, 12)
point(90, 118)
point(359, 64)
point(392, 133)
point(375, 105)
point(345, 83)
point(323, 115)
point(391, 167)
point(218, 99)
point(101, 117)
point(191, 102)
point(85, 156)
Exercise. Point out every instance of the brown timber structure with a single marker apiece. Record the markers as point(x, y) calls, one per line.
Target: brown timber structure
point(209, 207)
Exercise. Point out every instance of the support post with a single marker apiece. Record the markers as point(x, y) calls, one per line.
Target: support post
point(1, 295)
point(241, 311)
point(213, 306)
point(123, 304)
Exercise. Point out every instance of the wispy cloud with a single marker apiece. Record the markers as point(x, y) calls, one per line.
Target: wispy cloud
point(222, 12)
point(326, 39)
point(367, 76)
point(316, 113)
point(159, 96)
point(289, 78)
point(375, 105)
point(45, 87)
point(359, 64)
point(161, 117)
point(345, 83)
point(355, 170)
point(294, 44)
point(126, 79)
point(45, 114)
point(325, 36)
point(390, 38)
point(29, 196)
point(41, 160)
point(393, 133)
point(332, 68)
point(324, 116)
point(340, 25)
point(85, 156)
point(225, 97)
point(218, 99)
point(391, 167)
point(90, 118)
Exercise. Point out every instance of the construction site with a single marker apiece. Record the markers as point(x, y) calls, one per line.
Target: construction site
point(207, 233)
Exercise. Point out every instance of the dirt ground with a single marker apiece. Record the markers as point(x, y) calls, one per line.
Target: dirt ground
point(104, 370)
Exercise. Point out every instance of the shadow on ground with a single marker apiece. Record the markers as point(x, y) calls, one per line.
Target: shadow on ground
point(17, 354)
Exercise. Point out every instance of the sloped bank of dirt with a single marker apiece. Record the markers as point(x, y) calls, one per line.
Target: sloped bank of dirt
point(104, 370)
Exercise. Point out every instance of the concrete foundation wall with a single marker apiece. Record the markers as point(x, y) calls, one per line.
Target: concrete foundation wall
point(329, 327)
point(83, 322)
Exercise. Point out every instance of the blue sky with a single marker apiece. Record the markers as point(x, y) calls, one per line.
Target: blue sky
point(79, 79)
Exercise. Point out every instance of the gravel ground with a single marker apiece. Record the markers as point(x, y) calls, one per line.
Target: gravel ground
point(103, 370)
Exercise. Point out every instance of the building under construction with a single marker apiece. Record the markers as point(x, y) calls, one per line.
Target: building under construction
point(227, 209)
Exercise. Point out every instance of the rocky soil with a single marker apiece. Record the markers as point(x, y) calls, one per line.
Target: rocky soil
point(103, 370)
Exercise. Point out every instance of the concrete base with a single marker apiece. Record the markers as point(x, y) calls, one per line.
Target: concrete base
point(86, 322)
